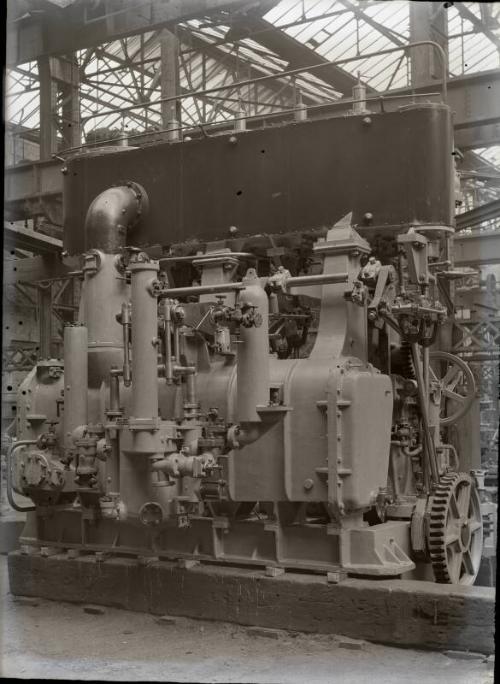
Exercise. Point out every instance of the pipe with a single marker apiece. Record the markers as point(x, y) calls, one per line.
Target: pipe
point(127, 377)
point(113, 460)
point(252, 368)
point(75, 381)
point(112, 214)
point(175, 292)
point(144, 341)
point(167, 340)
point(411, 453)
point(8, 458)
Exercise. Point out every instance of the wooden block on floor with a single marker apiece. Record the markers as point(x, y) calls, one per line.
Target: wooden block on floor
point(26, 601)
point(464, 655)
point(94, 610)
point(266, 632)
point(336, 576)
point(351, 644)
point(165, 620)
point(47, 551)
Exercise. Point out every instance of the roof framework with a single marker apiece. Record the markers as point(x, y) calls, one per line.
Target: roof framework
point(118, 85)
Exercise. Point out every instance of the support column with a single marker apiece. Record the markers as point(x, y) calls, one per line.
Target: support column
point(428, 21)
point(70, 90)
point(59, 75)
point(48, 109)
point(169, 77)
point(45, 321)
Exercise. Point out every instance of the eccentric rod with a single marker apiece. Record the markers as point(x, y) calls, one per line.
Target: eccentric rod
point(175, 292)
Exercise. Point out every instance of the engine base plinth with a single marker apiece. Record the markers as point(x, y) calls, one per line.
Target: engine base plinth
point(399, 612)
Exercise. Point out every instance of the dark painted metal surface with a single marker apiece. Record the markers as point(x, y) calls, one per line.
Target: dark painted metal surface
point(396, 167)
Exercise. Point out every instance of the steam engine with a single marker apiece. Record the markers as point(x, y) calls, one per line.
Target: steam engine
point(271, 388)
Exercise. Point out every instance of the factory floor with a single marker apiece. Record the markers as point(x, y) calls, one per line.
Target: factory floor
point(51, 640)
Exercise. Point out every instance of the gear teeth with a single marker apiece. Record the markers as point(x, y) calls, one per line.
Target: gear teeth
point(438, 510)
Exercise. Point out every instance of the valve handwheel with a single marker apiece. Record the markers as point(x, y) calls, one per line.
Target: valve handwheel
point(455, 530)
point(456, 382)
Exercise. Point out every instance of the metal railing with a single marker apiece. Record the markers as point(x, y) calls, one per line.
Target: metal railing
point(268, 77)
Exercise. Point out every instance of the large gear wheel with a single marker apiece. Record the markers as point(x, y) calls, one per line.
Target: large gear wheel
point(455, 530)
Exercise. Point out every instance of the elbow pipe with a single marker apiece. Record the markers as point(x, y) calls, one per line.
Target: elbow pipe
point(112, 214)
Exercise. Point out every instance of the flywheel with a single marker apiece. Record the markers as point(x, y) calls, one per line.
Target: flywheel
point(455, 530)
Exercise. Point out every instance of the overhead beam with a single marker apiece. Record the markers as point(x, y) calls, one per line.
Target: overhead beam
point(82, 25)
point(485, 212)
point(478, 136)
point(17, 237)
point(477, 249)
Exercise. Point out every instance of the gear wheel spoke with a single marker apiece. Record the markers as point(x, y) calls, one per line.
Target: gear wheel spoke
point(454, 530)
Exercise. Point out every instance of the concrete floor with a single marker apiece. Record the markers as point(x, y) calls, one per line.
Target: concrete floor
point(60, 641)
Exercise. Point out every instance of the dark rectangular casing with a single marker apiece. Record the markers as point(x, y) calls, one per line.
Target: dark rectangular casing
point(395, 166)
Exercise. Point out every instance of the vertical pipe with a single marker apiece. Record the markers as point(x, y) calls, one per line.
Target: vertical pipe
point(252, 371)
point(126, 344)
point(113, 460)
point(359, 97)
point(144, 341)
point(45, 321)
point(169, 376)
point(75, 380)
point(425, 366)
point(423, 400)
point(301, 110)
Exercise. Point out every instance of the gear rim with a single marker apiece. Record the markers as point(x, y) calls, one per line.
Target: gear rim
point(455, 530)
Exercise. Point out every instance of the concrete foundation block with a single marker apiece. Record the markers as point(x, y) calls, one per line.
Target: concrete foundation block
point(401, 612)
